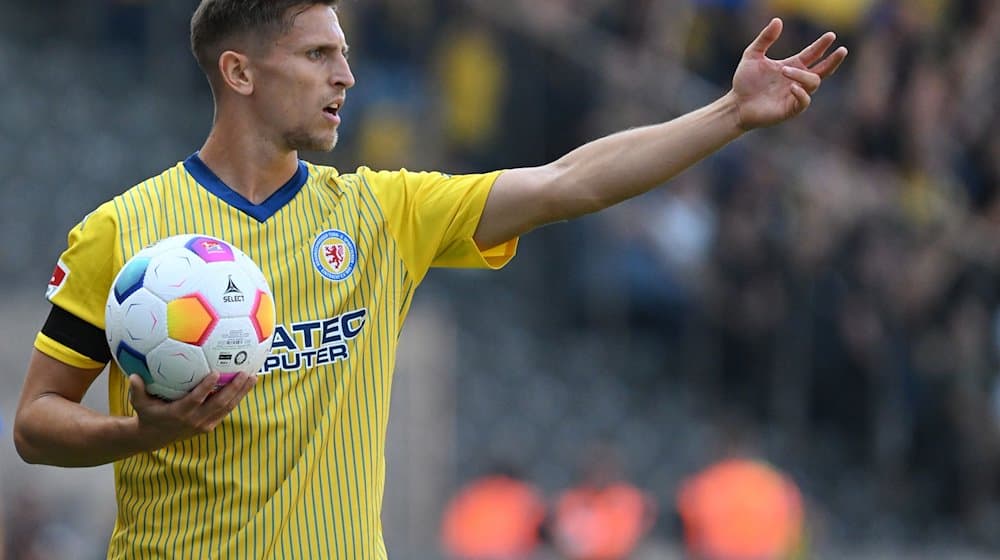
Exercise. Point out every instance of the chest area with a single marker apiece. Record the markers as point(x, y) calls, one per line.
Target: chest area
point(333, 286)
point(334, 266)
point(325, 254)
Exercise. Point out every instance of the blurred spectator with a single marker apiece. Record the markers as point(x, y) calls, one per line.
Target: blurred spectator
point(472, 76)
point(747, 281)
point(386, 135)
point(832, 14)
point(741, 509)
point(495, 517)
point(603, 516)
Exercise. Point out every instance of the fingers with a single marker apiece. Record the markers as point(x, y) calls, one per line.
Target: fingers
point(808, 80)
point(801, 97)
point(809, 55)
point(767, 37)
point(198, 412)
point(826, 67)
point(233, 392)
point(206, 405)
point(202, 391)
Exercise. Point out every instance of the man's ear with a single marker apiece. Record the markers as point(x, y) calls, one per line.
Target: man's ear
point(234, 69)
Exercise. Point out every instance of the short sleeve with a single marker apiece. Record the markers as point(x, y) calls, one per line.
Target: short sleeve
point(82, 279)
point(434, 216)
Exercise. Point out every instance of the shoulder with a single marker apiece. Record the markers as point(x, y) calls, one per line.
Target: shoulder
point(324, 177)
point(390, 179)
point(104, 217)
point(320, 173)
point(143, 196)
point(152, 188)
point(361, 179)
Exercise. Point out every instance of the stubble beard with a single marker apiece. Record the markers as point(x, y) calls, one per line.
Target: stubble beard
point(301, 140)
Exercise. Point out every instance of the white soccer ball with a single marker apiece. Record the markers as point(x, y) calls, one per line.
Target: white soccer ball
point(187, 306)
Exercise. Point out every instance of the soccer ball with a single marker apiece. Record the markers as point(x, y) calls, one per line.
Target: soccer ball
point(187, 306)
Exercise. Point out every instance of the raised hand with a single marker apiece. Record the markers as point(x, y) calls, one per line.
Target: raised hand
point(769, 91)
point(198, 412)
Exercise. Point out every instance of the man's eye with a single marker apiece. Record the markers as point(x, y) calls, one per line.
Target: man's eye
point(315, 54)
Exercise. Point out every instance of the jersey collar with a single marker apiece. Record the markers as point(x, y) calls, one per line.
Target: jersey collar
point(260, 212)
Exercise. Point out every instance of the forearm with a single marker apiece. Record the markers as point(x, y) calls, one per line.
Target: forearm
point(623, 165)
point(604, 172)
point(53, 430)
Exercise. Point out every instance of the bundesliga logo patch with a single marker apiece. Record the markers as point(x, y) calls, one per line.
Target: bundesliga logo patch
point(334, 254)
point(56, 281)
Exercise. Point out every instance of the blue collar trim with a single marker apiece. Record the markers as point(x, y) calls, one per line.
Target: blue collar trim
point(260, 212)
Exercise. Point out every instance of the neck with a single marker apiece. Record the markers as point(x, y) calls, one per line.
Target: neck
point(252, 167)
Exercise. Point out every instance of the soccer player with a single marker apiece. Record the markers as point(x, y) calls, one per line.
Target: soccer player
point(289, 463)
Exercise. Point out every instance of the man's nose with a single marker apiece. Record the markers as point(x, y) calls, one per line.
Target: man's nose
point(343, 76)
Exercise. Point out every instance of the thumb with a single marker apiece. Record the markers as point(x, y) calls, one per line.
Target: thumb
point(137, 389)
point(768, 36)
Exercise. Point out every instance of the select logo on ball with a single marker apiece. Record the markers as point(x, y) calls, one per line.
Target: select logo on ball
point(233, 294)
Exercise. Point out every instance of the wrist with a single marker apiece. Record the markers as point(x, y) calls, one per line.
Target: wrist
point(726, 110)
point(139, 438)
point(729, 107)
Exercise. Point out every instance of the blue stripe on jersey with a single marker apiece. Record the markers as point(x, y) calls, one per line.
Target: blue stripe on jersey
point(260, 212)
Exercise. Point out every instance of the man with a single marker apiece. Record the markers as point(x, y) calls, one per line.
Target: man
point(290, 464)
point(741, 508)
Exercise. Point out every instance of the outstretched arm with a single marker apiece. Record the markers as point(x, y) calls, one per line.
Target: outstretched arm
point(626, 164)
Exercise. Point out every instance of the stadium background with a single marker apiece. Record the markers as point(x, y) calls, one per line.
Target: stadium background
point(828, 287)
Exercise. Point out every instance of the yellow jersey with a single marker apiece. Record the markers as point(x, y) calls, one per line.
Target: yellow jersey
point(297, 470)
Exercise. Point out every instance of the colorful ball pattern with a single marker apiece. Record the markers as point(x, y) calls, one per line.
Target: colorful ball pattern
point(187, 306)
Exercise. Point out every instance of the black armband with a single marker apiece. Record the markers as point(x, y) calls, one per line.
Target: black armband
point(75, 333)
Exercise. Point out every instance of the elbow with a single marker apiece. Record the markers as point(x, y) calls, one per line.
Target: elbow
point(22, 443)
point(568, 203)
point(587, 203)
point(26, 444)
point(565, 197)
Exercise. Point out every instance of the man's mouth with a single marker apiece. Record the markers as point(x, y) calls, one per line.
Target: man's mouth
point(333, 109)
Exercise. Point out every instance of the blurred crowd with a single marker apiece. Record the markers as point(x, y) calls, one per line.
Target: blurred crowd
point(834, 280)
point(831, 283)
point(840, 281)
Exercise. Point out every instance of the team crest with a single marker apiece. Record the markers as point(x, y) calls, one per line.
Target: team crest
point(334, 254)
